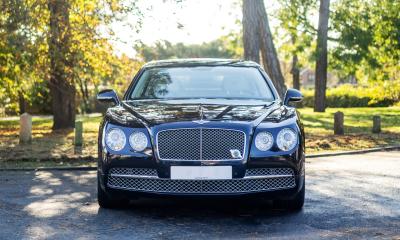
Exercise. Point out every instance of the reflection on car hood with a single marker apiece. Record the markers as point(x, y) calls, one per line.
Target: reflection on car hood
point(164, 111)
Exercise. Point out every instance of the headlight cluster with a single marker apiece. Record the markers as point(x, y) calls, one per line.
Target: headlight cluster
point(138, 141)
point(116, 140)
point(264, 141)
point(286, 140)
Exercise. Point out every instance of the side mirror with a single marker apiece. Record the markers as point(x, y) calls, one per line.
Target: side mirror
point(108, 96)
point(292, 95)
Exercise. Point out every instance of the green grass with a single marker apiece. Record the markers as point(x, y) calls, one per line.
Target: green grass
point(356, 120)
point(47, 144)
point(58, 145)
point(358, 129)
point(46, 123)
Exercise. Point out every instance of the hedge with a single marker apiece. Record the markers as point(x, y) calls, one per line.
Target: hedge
point(350, 96)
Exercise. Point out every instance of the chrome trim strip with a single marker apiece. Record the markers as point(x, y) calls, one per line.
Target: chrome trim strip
point(156, 177)
point(201, 128)
point(198, 193)
point(201, 142)
point(268, 176)
point(132, 176)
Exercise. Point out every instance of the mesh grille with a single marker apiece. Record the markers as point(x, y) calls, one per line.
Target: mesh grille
point(217, 143)
point(201, 186)
point(134, 171)
point(200, 144)
point(268, 171)
point(240, 185)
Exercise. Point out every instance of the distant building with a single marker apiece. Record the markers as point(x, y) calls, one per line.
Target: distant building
point(307, 79)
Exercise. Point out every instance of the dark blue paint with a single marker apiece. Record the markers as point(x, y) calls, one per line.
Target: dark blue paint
point(292, 95)
point(150, 117)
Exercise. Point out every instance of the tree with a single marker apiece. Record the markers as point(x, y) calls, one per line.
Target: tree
point(322, 57)
point(62, 88)
point(368, 40)
point(21, 50)
point(76, 58)
point(219, 48)
point(298, 34)
point(268, 51)
point(257, 36)
point(251, 28)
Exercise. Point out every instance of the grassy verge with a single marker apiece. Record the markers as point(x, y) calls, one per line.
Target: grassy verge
point(51, 148)
point(358, 126)
point(48, 148)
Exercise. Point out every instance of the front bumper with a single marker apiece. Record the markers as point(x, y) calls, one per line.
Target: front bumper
point(273, 177)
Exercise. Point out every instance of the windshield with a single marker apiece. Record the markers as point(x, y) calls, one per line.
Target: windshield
point(202, 82)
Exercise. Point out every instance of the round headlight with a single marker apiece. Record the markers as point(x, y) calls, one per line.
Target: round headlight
point(264, 141)
point(115, 139)
point(287, 139)
point(138, 141)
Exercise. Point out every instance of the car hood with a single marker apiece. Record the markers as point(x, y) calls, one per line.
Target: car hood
point(154, 112)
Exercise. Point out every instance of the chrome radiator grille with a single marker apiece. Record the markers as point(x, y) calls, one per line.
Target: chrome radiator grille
point(270, 180)
point(200, 144)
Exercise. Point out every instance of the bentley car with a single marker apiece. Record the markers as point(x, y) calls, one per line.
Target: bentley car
point(201, 127)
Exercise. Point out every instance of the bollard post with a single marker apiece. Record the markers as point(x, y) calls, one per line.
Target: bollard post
point(338, 124)
point(25, 128)
point(376, 124)
point(78, 133)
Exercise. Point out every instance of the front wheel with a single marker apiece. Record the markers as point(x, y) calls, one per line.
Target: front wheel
point(107, 201)
point(295, 204)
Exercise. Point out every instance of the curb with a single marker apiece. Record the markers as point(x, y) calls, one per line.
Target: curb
point(353, 152)
point(307, 156)
point(50, 168)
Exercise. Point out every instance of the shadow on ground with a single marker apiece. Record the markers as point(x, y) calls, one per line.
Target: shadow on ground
point(347, 197)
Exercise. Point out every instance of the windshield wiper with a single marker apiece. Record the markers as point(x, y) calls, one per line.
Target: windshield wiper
point(224, 112)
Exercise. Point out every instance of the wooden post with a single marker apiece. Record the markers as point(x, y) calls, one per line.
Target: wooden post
point(376, 124)
point(78, 133)
point(25, 128)
point(338, 126)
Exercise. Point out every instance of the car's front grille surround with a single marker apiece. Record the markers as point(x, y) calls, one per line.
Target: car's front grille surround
point(275, 179)
point(205, 144)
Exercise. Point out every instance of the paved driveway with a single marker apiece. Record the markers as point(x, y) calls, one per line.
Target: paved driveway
point(355, 196)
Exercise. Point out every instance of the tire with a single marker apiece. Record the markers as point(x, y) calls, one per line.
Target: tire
point(294, 204)
point(107, 201)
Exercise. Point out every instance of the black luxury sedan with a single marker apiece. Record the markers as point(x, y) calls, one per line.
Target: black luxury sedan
point(201, 127)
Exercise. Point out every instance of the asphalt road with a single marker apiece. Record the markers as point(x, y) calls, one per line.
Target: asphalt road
point(354, 196)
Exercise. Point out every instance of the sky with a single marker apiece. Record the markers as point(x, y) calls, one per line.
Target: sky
point(188, 21)
point(191, 21)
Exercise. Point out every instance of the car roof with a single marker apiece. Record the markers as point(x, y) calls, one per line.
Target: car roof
point(194, 62)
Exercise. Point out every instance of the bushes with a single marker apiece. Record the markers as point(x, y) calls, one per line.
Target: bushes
point(351, 96)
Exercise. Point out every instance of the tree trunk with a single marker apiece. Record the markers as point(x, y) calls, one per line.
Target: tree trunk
point(268, 52)
point(88, 109)
point(63, 105)
point(21, 103)
point(257, 35)
point(322, 57)
point(295, 72)
point(83, 88)
point(62, 89)
point(251, 39)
